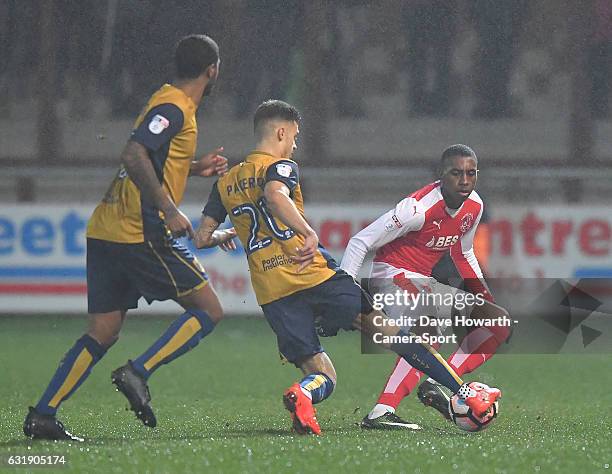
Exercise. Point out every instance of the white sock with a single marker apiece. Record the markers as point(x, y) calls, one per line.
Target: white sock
point(380, 410)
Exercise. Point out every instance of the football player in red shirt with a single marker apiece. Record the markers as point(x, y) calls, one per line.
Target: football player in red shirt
point(409, 240)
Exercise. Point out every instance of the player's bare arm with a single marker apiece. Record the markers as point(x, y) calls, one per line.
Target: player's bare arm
point(210, 164)
point(207, 235)
point(138, 165)
point(280, 204)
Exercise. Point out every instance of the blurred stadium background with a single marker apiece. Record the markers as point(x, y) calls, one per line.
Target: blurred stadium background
point(384, 87)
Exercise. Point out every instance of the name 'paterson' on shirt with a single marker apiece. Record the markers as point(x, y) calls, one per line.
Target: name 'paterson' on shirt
point(244, 184)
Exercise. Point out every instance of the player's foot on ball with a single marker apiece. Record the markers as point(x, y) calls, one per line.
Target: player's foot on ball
point(39, 426)
point(431, 394)
point(303, 414)
point(387, 421)
point(480, 398)
point(134, 387)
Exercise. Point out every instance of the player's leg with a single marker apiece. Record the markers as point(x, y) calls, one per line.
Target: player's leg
point(396, 388)
point(164, 271)
point(292, 320)
point(319, 377)
point(338, 301)
point(401, 382)
point(317, 384)
point(476, 348)
point(74, 368)
point(426, 359)
point(403, 377)
point(383, 415)
point(479, 345)
point(79, 360)
point(202, 312)
point(108, 294)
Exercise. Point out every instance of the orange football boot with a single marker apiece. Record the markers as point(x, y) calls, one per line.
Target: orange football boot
point(478, 397)
point(303, 414)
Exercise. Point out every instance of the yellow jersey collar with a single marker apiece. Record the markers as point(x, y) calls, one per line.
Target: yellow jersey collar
point(190, 102)
point(251, 156)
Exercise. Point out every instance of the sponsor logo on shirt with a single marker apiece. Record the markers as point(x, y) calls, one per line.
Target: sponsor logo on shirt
point(442, 243)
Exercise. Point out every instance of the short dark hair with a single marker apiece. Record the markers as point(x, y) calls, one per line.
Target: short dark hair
point(274, 110)
point(194, 53)
point(457, 150)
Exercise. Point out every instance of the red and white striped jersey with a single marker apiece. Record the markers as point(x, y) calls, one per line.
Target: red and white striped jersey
point(414, 236)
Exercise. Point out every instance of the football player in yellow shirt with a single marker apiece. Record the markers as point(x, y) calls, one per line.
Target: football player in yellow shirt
point(294, 277)
point(132, 250)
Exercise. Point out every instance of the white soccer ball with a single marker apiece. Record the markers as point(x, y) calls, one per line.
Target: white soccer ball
point(464, 418)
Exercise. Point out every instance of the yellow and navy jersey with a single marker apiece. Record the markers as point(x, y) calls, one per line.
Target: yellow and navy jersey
point(267, 243)
point(167, 128)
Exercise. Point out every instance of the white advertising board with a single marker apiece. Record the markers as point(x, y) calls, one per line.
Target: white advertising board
point(42, 251)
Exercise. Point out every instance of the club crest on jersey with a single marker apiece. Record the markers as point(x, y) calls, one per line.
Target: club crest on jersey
point(158, 124)
point(466, 222)
point(283, 170)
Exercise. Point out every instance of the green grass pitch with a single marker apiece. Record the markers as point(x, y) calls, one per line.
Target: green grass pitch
point(219, 409)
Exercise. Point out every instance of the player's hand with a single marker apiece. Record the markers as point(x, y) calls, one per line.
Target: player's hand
point(210, 164)
point(306, 254)
point(178, 224)
point(228, 243)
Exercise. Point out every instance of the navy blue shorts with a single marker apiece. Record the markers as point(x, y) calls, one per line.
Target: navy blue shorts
point(119, 274)
point(339, 300)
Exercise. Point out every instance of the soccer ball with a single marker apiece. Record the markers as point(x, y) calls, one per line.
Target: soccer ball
point(462, 415)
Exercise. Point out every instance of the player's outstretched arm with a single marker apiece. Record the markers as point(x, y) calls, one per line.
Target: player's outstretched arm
point(405, 217)
point(207, 235)
point(282, 207)
point(210, 164)
point(137, 163)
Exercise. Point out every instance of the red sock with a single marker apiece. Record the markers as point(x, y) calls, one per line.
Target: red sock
point(477, 347)
point(400, 383)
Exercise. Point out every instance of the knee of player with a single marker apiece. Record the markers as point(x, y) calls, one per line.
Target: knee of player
point(111, 342)
point(207, 320)
point(106, 340)
point(501, 333)
point(502, 312)
point(333, 378)
point(216, 315)
point(105, 328)
point(207, 314)
point(330, 374)
point(214, 311)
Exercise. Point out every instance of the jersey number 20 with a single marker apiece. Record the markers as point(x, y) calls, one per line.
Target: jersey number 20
point(253, 212)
